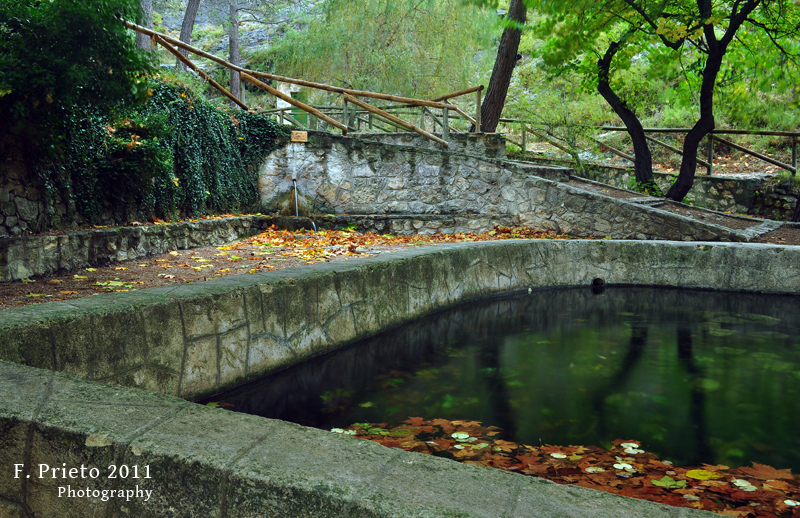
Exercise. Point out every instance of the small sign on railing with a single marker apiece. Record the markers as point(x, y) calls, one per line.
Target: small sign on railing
point(299, 136)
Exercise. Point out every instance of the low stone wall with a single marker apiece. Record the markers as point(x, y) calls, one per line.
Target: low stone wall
point(30, 255)
point(196, 339)
point(760, 196)
point(441, 191)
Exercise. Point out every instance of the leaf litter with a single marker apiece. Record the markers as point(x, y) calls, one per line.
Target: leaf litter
point(271, 250)
point(624, 469)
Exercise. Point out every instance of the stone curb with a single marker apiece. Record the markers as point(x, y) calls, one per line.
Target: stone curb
point(214, 463)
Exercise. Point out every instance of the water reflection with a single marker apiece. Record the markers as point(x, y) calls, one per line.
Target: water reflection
point(695, 376)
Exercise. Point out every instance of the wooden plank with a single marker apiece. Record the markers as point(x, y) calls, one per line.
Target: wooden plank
point(755, 154)
point(390, 117)
point(183, 59)
point(294, 102)
point(459, 93)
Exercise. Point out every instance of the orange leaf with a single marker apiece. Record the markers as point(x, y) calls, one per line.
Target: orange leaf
point(764, 472)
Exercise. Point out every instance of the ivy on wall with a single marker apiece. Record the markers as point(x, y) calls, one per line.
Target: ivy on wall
point(175, 155)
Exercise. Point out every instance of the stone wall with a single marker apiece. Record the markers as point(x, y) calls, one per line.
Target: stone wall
point(22, 200)
point(761, 196)
point(436, 190)
point(26, 256)
point(194, 339)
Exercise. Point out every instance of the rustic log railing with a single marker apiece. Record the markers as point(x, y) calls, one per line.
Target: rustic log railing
point(708, 163)
point(349, 96)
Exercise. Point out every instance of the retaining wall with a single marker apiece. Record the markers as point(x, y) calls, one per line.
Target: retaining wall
point(26, 256)
point(760, 196)
point(455, 192)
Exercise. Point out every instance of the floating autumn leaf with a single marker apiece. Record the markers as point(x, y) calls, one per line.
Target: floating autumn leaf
point(91, 269)
point(763, 472)
point(55, 281)
point(68, 292)
point(669, 483)
point(31, 295)
point(173, 252)
point(744, 485)
point(120, 268)
point(702, 474)
point(80, 277)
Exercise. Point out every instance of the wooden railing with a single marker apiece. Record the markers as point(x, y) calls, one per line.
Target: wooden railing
point(349, 97)
point(708, 162)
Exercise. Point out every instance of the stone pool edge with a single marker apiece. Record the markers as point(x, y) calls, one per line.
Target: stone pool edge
point(210, 462)
point(196, 339)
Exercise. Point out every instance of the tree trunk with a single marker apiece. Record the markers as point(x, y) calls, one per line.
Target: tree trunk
point(142, 40)
point(186, 29)
point(233, 35)
point(705, 124)
point(495, 97)
point(643, 163)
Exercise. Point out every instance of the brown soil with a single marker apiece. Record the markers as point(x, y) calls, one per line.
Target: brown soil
point(606, 190)
point(781, 236)
point(710, 217)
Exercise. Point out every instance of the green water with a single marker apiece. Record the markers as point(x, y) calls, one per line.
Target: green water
point(694, 376)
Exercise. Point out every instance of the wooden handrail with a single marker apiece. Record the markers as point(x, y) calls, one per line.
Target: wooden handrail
point(459, 93)
point(390, 117)
point(183, 59)
point(717, 131)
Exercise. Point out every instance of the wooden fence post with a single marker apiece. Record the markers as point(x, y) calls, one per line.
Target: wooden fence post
point(478, 111)
point(710, 155)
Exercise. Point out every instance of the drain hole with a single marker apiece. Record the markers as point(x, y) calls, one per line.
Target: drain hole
point(598, 282)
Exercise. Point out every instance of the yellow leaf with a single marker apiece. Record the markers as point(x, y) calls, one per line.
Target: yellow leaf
point(143, 265)
point(173, 252)
point(80, 277)
point(91, 269)
point(120, 268)
point(68, 292)
point(225, 270)
point(703, 474)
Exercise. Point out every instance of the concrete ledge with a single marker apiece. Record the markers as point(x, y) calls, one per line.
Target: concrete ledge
point(195, 339)
point(214, 463)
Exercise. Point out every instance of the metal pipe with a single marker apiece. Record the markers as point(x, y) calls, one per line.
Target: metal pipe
point(296, 209)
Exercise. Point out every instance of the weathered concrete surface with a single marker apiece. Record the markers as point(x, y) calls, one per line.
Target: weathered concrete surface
point(206, 462)
point(194, 339)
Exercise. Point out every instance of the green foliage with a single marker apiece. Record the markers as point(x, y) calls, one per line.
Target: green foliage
point(175, 154)
point(405, 47)
point(58, 53)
